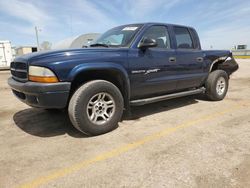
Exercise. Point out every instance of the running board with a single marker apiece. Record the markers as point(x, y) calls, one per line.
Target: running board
point(140, 102)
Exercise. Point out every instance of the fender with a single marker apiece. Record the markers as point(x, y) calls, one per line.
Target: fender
point(85, 67)
point(223, 59)
point(227, 64)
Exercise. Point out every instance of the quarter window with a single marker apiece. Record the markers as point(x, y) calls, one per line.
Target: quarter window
point(183, 38)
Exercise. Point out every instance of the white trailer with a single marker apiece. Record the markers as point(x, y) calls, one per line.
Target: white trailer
point(5, 54)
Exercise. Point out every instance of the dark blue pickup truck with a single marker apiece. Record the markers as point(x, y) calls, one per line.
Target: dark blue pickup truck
point(128, 65)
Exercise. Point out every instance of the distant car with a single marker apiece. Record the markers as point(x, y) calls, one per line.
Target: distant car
point(128, 65)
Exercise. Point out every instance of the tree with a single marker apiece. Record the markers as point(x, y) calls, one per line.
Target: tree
point(46, 45)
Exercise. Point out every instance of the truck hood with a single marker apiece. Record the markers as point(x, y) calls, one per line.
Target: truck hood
point(69, 54)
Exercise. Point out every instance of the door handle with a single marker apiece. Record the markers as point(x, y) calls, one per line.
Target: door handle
point(172, 59)
point(199, 59)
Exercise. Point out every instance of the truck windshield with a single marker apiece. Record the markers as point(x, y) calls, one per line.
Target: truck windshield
point(117, 37)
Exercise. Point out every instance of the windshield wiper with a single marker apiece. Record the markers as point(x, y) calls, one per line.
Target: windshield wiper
point(99, 44)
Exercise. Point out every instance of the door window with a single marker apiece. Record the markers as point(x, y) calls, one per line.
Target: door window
point(183, 38)
point(160, 35)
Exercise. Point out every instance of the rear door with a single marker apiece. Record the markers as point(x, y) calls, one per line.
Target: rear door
point(189, 58)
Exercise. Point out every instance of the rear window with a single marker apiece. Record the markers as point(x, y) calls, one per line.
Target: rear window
point(183, 38)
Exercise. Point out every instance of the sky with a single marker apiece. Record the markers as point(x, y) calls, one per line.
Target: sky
point(220, 24)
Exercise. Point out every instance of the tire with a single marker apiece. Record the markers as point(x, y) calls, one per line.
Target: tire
point(96, 107)
point(217, 85)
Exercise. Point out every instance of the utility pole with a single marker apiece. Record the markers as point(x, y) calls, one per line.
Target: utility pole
point(37, 40)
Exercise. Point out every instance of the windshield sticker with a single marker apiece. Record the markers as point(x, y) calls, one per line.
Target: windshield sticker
point(129, 28)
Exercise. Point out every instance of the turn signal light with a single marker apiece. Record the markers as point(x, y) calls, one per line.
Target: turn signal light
point(51, 79)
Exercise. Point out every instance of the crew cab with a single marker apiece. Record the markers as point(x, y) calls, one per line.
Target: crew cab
point(128, 65)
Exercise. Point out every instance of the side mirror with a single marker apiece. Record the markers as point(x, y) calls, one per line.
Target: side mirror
point(147, 43)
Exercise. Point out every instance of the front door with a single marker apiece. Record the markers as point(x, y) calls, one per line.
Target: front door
point(152, 71)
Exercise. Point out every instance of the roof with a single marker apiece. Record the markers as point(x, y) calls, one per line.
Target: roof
point(5, 41)
point(156, 23)
point(26, 47)
point(76, 42)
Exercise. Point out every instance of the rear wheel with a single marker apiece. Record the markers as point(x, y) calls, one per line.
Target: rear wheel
point(217, 85)
point(96, 107)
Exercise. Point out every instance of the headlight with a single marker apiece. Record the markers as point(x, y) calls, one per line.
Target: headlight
point(41, 74)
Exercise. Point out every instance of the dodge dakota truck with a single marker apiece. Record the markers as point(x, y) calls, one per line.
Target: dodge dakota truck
point(128, 65)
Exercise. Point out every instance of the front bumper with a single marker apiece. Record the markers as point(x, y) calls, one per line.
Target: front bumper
point(41, 95)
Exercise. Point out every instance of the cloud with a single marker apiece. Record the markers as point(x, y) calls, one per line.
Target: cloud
point(218, 23)
point(25, 11)
point(20, 18)
point(221, 25)
point(225, 37)
point(90, 12)
point(87, 15)
point(139, 9)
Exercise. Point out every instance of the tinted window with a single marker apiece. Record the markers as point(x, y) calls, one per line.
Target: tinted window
point(195, 38)
point(160, 34)
point(183, 38)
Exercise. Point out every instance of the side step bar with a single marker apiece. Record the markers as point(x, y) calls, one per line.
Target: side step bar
point(140, 102)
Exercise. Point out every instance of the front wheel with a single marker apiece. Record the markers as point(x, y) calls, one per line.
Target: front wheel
point(96, 107)
point(217, 85)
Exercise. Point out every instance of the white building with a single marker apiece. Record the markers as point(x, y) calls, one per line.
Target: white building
point(76, 42)
point(25, 50)
point(5, 53)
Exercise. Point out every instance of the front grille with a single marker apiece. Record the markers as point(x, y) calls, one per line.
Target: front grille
point(19, 71)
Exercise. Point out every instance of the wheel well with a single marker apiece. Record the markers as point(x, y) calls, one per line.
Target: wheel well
point(218, 66)
point(108, 75)
point(215, 66)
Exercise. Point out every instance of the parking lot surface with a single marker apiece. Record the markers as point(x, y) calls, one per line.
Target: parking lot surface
point(185, 142)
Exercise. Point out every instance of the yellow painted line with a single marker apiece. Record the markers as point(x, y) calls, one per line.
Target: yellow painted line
point(120, 150)
point(242, 56)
